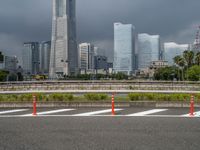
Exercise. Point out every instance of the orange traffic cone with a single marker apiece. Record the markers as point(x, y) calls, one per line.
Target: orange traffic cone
point(34, 106)
point(113, 105)
point(192, 106)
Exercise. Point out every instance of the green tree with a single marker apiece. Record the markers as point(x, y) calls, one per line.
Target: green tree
point(120, 76)
point(194, 73)
point(181, 63)
point(3, 75)
point(189, 57)
point(197, 59)
point(167, 73)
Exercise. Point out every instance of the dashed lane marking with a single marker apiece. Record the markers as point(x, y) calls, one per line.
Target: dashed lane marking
point(50, 112)
point(148, 112)
point(96, 112)
point(12, 111)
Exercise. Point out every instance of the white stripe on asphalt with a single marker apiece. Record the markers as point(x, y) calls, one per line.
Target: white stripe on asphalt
point(195, 114)
point(147, 116)
point(50, 112)
point(12, 111)
point(144, 113)
point(96, 112)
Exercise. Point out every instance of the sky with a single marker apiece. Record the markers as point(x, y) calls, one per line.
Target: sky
point(30, 20)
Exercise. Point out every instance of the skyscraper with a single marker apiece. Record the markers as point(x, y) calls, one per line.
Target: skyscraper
point(45, 48)
point(124, 48)
point(172, 50)
point(148, 49)
point(64, 53)
point(30, 58)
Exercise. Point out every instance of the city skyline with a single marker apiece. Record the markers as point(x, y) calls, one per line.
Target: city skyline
point(172, 24)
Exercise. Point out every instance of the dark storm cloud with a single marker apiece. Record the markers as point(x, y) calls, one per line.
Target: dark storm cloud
point(30, 20)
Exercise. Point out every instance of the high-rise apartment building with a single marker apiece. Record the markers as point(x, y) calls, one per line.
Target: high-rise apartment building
point(30, 58)
point(149, 49)
point(172, 50)
point(45, 48)
point(64, 53)
point(86, 56)
point(124, 48)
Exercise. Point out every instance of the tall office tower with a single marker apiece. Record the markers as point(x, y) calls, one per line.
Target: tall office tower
point(30, 58)
point(45, 48)
point(86, 56)
point(172, 50)
point(149, 48)
point(64, 53)
point(2, 60)
point(124, 48)
point(11, 63)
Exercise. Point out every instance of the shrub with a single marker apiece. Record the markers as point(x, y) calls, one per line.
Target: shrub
point(103, 96)
point(159, 97)
point(60, 97)
point(94, 96)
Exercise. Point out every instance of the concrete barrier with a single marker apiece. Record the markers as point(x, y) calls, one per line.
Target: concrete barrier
point(98, 104)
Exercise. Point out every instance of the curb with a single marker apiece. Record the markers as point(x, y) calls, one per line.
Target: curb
point(98, 104)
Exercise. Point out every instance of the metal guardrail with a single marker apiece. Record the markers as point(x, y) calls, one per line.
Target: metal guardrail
point(99, 85)
point(98, 91)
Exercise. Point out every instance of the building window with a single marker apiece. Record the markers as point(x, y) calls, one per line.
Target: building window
point(59, 8)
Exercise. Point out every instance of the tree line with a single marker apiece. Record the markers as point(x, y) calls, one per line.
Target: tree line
point(186, 68)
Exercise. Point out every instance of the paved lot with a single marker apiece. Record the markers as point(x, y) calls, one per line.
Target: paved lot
point(96, 129)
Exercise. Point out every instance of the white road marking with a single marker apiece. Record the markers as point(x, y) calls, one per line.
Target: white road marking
point(50, 112)
point(144, 113)
point(145, 116)
point(96, 112)
point(195, 114)
point(12, 111)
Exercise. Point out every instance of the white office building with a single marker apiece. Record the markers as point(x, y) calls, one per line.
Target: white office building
point(86, 56)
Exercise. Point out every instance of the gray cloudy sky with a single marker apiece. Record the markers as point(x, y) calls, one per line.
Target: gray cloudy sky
point(30, 20)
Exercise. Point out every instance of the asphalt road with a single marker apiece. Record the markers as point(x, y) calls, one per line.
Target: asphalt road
point(99, 133)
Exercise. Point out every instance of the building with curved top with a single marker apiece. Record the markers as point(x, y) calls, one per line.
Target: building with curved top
point(149, 49)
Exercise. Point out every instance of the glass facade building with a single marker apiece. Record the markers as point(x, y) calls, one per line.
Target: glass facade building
point(124, 48)
point(45, 48)
point(148, 49)
point(30, 58)
point(172, 50)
